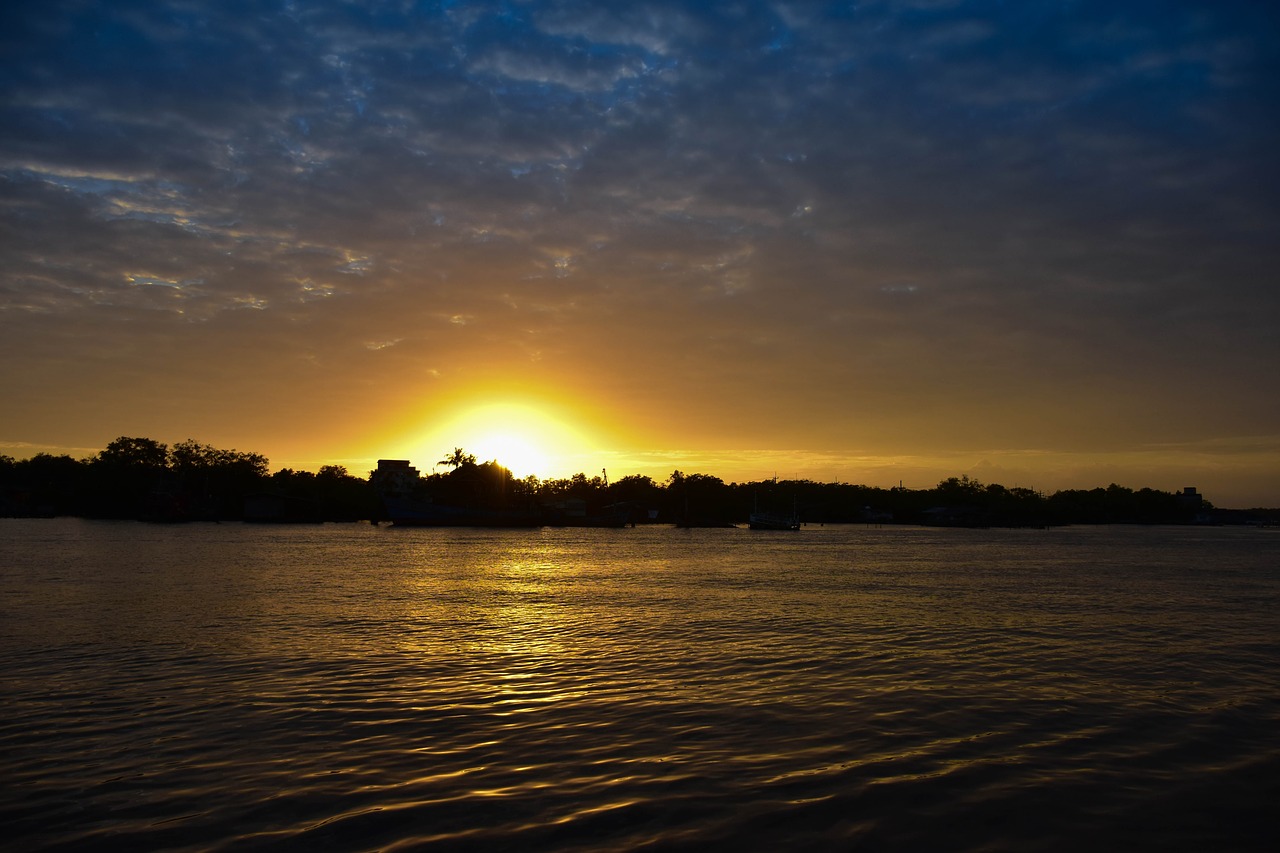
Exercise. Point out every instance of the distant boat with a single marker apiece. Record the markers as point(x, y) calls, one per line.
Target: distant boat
point(771, 520)
point(774, 521)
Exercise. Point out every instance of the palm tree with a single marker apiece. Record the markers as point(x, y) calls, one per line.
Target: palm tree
point(458, 458)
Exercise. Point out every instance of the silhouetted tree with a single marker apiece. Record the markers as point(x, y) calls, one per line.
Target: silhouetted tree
point(637, 489)
point(125, 475)
point(458, 458)
point(526, 488)
point(42, 485)
point(136, 453)
point(134, 477)
point(699, 500)
point(960, 490)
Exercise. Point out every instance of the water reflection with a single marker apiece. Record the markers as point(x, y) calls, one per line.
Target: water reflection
point(366, 687)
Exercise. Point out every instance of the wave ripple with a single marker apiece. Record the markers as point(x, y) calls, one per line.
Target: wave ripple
point(344, 687)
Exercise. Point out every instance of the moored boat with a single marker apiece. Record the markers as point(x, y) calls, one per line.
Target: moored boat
point(773, 521)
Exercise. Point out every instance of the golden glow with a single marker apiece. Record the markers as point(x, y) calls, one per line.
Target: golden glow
point(514, 451)
point(528, 437)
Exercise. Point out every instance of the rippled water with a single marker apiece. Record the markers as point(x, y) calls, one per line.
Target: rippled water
point(351, 687)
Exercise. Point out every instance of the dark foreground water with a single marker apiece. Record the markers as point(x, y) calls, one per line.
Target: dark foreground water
point(351, 687)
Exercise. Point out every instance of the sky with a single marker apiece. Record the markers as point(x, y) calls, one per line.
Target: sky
point(1034, 243)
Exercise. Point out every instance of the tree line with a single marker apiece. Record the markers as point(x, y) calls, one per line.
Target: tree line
point(139, 478)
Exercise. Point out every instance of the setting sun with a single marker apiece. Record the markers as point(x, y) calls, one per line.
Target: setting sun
point(521, 456)
point(526, 437)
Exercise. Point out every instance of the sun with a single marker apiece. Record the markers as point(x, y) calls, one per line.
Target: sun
point(520, 455)
point(525, 437)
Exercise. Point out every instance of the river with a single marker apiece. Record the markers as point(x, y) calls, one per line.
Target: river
point(352, 687)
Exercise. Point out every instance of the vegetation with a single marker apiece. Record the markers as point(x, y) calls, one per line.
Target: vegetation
point(143, 479)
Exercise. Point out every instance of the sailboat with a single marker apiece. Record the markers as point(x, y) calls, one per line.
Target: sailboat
point(769, 520)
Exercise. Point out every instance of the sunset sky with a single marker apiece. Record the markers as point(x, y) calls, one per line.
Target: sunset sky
point(1035, 243)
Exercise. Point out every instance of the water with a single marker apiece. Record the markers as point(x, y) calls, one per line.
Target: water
point(345, 687)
